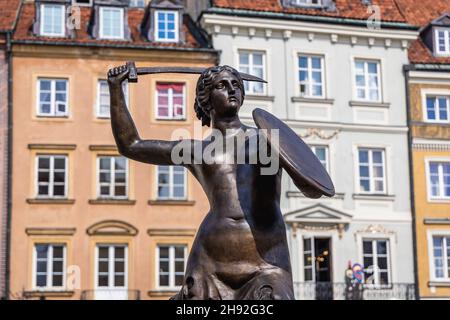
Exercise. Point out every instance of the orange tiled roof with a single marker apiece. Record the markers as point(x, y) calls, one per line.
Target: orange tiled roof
point(82, 37)
point(349, 9)
point(421, 13)
point(8, 13)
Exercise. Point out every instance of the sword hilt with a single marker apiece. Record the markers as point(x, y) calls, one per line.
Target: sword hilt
point(132, 74)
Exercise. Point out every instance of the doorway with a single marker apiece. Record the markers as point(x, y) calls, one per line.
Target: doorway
point(318, 266)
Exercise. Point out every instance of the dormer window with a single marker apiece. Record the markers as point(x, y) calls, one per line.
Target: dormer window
point(442, 41)
point(312, 3)
point(52, 20)
point(163, 21)
point(137, 3)
point(166, 26)
point(111, 23)
point(328, 5)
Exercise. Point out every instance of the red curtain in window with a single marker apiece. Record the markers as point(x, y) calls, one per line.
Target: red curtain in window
point(177, 87)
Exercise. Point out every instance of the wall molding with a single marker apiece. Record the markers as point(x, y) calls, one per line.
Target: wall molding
point(50, 231)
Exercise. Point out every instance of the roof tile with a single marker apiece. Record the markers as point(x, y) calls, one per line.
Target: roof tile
point(421, 13)
point(8, 13)
point(350, 9)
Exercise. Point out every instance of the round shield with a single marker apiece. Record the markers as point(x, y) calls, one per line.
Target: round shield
point(296, 157)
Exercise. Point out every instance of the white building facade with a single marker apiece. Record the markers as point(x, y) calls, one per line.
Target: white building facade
point(340, 86)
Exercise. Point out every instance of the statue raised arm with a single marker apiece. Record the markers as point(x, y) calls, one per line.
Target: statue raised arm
point(128, 141)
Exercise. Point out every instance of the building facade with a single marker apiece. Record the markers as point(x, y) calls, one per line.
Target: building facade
point(428, 76)
point(9, 10)
point(335, 77)
point(88, 223)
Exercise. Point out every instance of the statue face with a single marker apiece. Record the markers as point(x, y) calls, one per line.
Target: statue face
point(226, 96)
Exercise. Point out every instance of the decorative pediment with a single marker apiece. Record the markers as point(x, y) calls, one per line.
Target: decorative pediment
point(318, 213)
point(112, 228)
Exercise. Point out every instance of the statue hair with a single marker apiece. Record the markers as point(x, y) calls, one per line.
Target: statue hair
point(202, 106)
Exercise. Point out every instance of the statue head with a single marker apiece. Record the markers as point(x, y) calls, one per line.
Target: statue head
point(220, 93)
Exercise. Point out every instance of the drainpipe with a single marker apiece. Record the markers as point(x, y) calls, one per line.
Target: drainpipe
point(9, 167)
point(406, 70)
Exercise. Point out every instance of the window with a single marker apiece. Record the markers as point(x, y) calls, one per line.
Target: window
point(438, 109)
point(137, 3)
point(112, 177)
point(321, 153)
point(441, 257)
point(253, 63)
point(52, 176)
point(171, 265)
point(311, 76)
point(376, 261)
point(170, 101)
point(52, 20)
point(49, 266)
point(439, 180)
point(166, 26)
point(371, 171)
point(111, 23)
point(52, 97)
point(308, 259)
point(442, 41)
point(367, 80)
point(111, 266)
point(171, 182)
point(103, 99)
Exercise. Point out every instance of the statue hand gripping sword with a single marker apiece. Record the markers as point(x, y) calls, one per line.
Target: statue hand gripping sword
point(240, 250)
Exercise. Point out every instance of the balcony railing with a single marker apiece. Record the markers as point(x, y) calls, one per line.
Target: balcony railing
point(110, 294)
point(341, 291)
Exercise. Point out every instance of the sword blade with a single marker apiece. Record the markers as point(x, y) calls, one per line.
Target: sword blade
point(188, 70)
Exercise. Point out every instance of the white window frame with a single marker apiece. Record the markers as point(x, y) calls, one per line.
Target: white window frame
point(430, 235)
point(171, 106)
point(376, 275)
point(446, 31)
point(63, 20)
point(134, 3)
point(250, 67)
point(441, 196)
point(313, 256)
point(171, 185)
point(171, 286)
point(49, 267)
point(371, 177)
point(121, 23)
point(309, 70)
point(327, 154)
point(366, 80)
point(126, 92)
point(53, 109)
point(111, 267)
point(436, 108)
point(112, 184)
point(177, 26)
point(51, 176)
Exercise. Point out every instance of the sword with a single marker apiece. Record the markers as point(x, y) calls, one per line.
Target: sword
point(134, 72)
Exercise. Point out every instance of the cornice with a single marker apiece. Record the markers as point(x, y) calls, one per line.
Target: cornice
point(216, 20)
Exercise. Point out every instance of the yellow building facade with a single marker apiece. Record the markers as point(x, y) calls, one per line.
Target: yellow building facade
point(431, 177)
